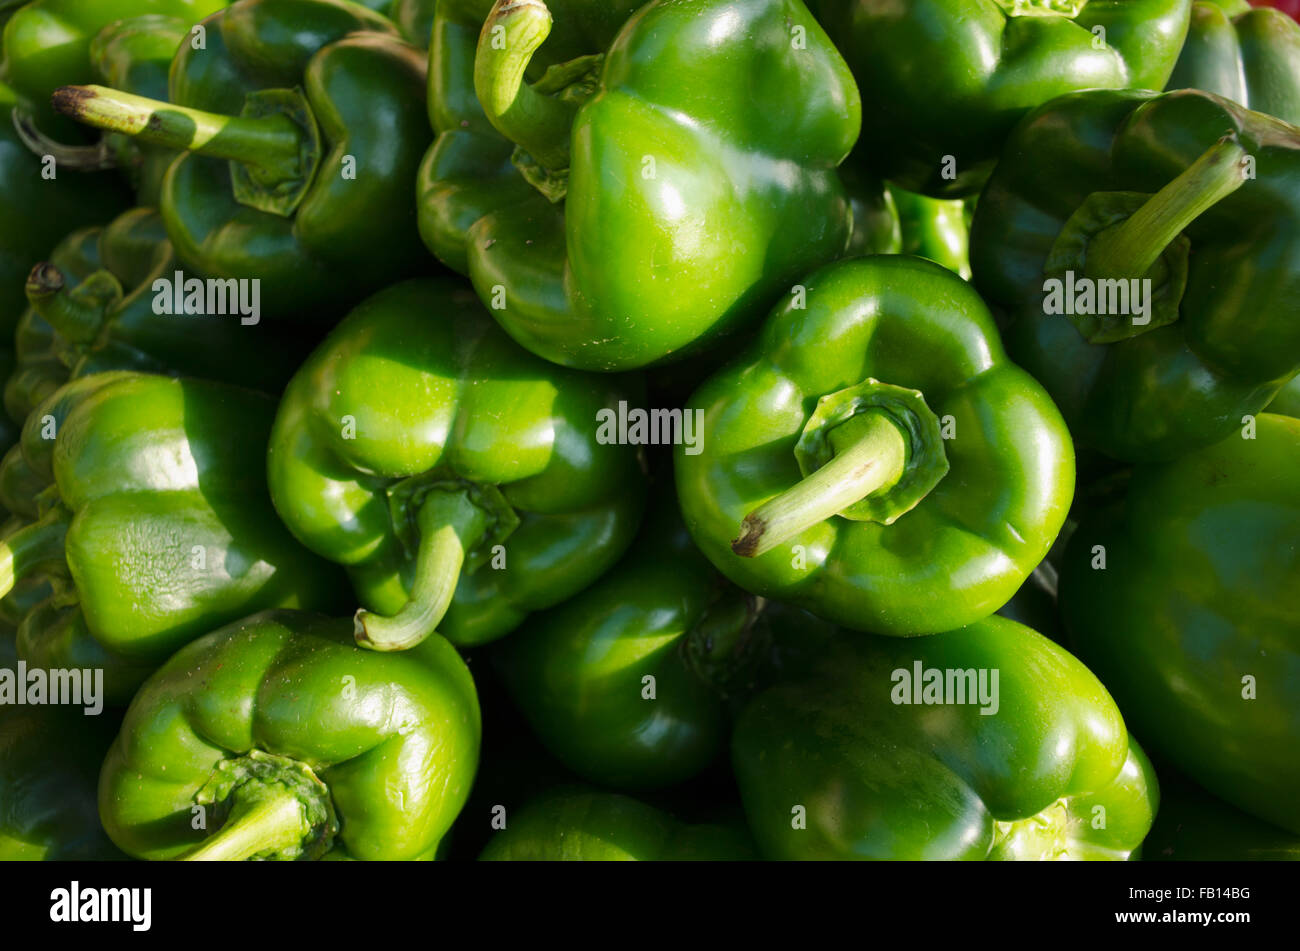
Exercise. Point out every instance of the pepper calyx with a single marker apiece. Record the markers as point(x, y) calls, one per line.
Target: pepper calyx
point(829, 429)
point(278, 188)
point(267, 807)
point(1099, 213)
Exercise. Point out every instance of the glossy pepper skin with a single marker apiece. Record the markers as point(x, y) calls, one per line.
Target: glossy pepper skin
point(702, 139)
point(835, 767)
point(47, 43)
point(578, 825)
point(579, 671)
point(825, 479)
point(461, 480)
point(1193, 623)
point(153, 523)
point(1249, 55)
point(1221, 248)
point(94, 306)
point(319, 109)
point(133, 55)
point(934, 228)
point(1194, 826)
point(949, 78)
point(298, 743)
point(49, 762)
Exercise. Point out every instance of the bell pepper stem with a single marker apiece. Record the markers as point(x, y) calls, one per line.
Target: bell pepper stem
point(79, 158)
point(78, 318)
point(875, 460)
point(272, 141)
point(539, 124)
point(272, 822)
point(32, 546)
point(450, 524)
point(1129, 250)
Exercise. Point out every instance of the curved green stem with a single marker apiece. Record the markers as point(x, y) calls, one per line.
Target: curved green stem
point(451, 524)
point(78, 158)
point(537, 123)
point(271, 142)
point(77, 315)
point(1129, 250)
point(33, 546)
point(874, 460)
point(273, 821)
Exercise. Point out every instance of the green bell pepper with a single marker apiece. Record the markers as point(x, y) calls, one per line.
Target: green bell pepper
point(153, 524)
point(883, 463)
point(1193, 826)
point(579, 671)
point(47, 43)
point(1182, 597)
point(39, 368)
point(883, 754)
point(577, 825)
point(133, 55)
point(462, 481)
point(1246, 54)
point(35, 212)
point(1184, 200)
point(49, 761)
point(285, 737)
point(631, 683)
point(94, 308)
point(704, 136)
point(301, 126)
point(948, 79)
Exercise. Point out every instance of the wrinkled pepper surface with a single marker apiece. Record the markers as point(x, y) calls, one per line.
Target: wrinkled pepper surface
point(1153, 277)
point(461, 480)
point(153, 524)
point(1184, 597)
point(696, 133)
point(297, 744)
point(947, 79)
point(875, 458)
point(303, 126)
point(885, 754)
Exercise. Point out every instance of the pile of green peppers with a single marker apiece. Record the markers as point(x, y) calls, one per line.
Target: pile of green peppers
point(716, 430)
